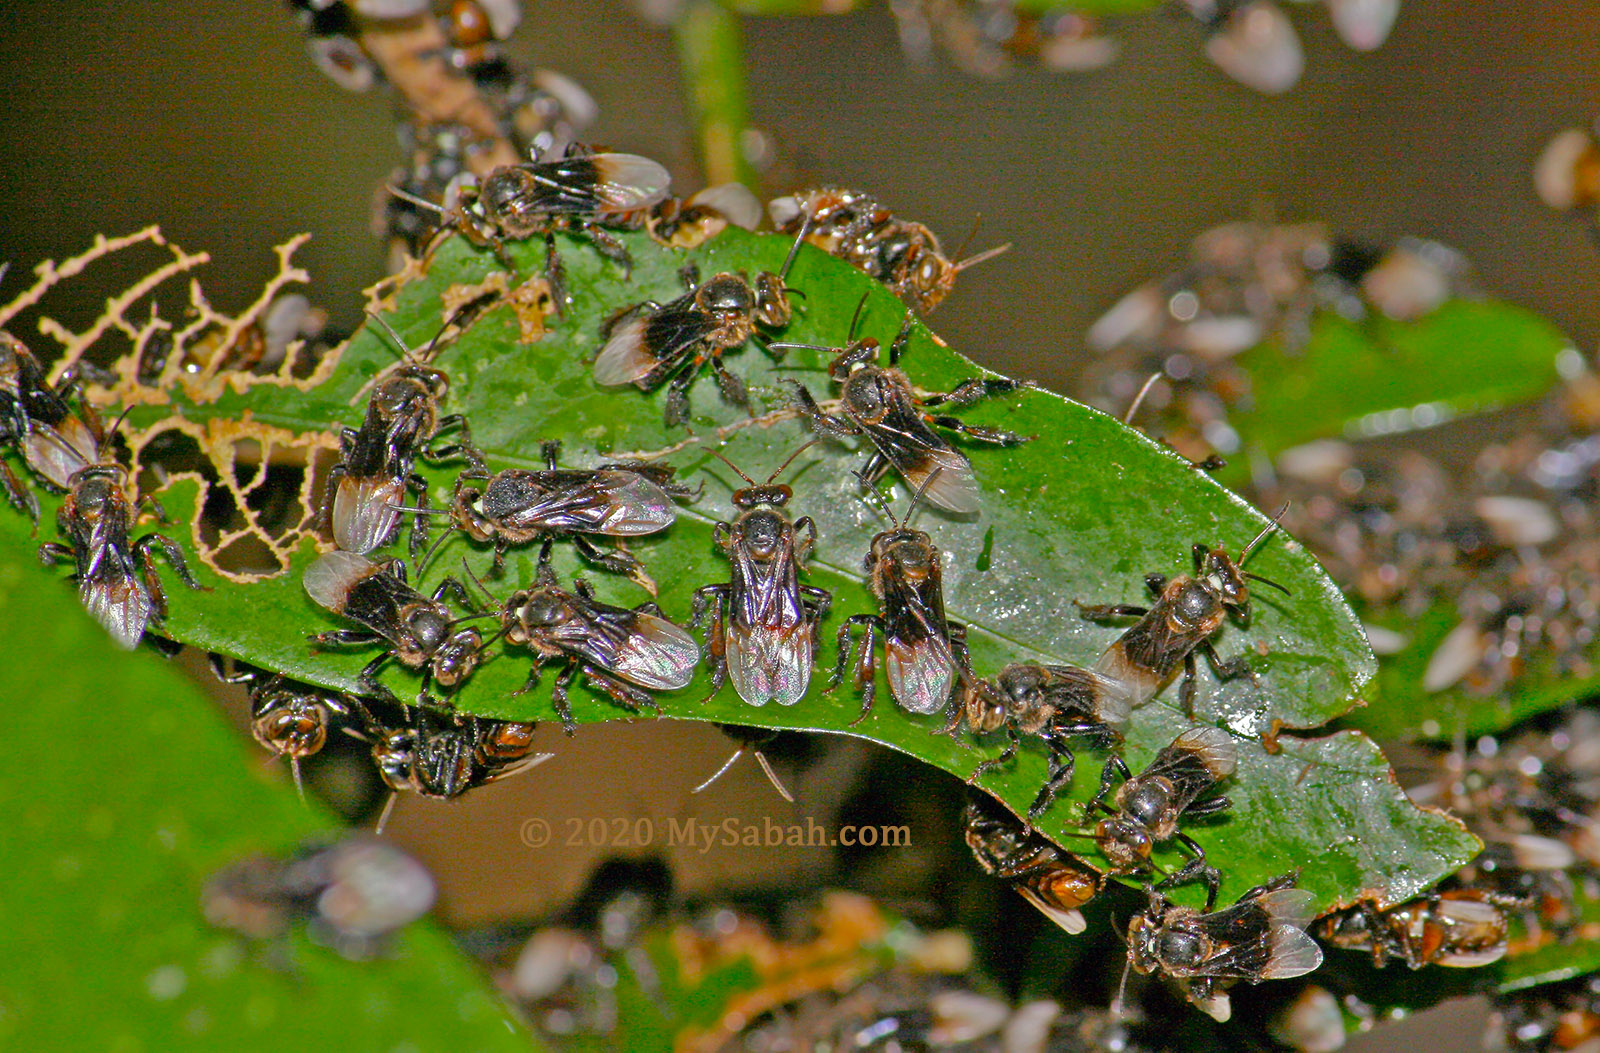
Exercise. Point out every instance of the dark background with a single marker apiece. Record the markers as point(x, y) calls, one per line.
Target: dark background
point(209, 119)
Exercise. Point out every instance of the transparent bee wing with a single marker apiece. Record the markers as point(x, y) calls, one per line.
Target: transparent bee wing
point(1127, 686)
point(517, 767)
point(635, 505)
point(328, 580)
point(1072, 921)
point(1218, 1006)
point(625, 359)
point(123, 608)
point(627, 181)
point(1290, 906)
point(954, 487)
point(920, 678)
point(1290, 953)
point(57, 454)
point(1215, 748)
point(770, 665)
point(657, 655)
point(363, 518)
point(1473, 959)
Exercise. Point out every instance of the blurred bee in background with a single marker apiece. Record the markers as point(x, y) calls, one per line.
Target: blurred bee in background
point(1461, 927)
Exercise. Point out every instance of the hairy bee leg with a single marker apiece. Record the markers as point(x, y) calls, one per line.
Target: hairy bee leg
point(612, 248)
point(732, 388)
point(169, 548)
point(971, 392)
point(678, 396)
point(555, 273)
point(1062, 765)
point(1006, 756)
point(1188, 687)
point(865, 678)
point(826, 423)
point(21, 498)
point(1237, 666)
point(818, 600)
point(1115, 767)
point(1100, 611)
point(623, 694)
point(1209, 806)
point(419, 526)
point(368, 678)
point(454, 587)
point(614, 560)
point(344, 637)
point(980, 433)
point(710, 598)
point(558, 696)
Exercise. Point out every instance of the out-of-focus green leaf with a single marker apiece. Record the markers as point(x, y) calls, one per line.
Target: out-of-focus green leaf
point(125, 792)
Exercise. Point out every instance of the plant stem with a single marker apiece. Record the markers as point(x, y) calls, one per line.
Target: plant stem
point(711, 56)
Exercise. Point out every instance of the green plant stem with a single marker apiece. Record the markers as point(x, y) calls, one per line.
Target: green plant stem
point(711, 56)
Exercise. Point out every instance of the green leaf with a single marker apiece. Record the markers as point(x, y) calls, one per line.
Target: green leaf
point(1381, 376)
point(1082, 512)
point(127, 792)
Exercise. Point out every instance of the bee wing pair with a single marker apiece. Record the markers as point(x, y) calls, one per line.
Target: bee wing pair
point(614, 502)
point(771, 664)
point(600, 184)
point(650, 338)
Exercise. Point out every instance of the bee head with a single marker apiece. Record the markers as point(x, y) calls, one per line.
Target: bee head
point(774, 494)
point(762, 532)
point(507, 191)
point(911, 552)
point(1125, 842)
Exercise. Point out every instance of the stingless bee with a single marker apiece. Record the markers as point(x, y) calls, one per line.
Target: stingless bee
point(1042, 872)
point(924, 653)
point(288, 718)
point(651, 344)
point(625, 652)
point(420, 630)
point(1462, 927)
point(1260, 937)
point(852, 226)
point(881, 404)
point(764, 623)
point(1148, 806)
point(38, 419)
point(377, 459)
point(580, 193)
point(1053, 703)
point(116, 574)
point(519, 505)
point(1187, 611)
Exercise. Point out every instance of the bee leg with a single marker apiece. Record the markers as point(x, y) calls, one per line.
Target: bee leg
point(1209, 806)
point(1062, 763)
point(1005, 757)
point(1115, 766)
point(453, 587)
point(1155, 584)
point(1101, 611)
point(555, 273)
point(875, 469)
point(20, 496)
point(1188, 685)
point(463, 447)
point(678, 396)
point(368, 679)
point(52, 552)
point(653, 609)
point(689, 275)
point(153, 589)
point(419, 526)
point(710, 598)
point(825, 423)
point(866, 671)
point(614, 560)
point(732, 388)
point(980, 433)
point(971, 391)
point(902, 339)
point(1237, 666)
point(623, 694)
point(343, 637)
point(612, 248)
point(1197, 869)
point(558, 696)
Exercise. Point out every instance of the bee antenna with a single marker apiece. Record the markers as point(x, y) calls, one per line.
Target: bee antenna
point(388, 810)
point(299, 785)
point(772, 776)
point(779, 470)
point(794, 250)
point(719, 455)
point(1138, 400)
point(1266, 581)
point(806, 347)
point(478, 582)
point(406, 195)
point(984, 256)
point(718, 773)
point(1118, 1005)
point(434, 547)
point(406, 354)
point(855, 319)
point(1266, 530)
point(916, 498)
